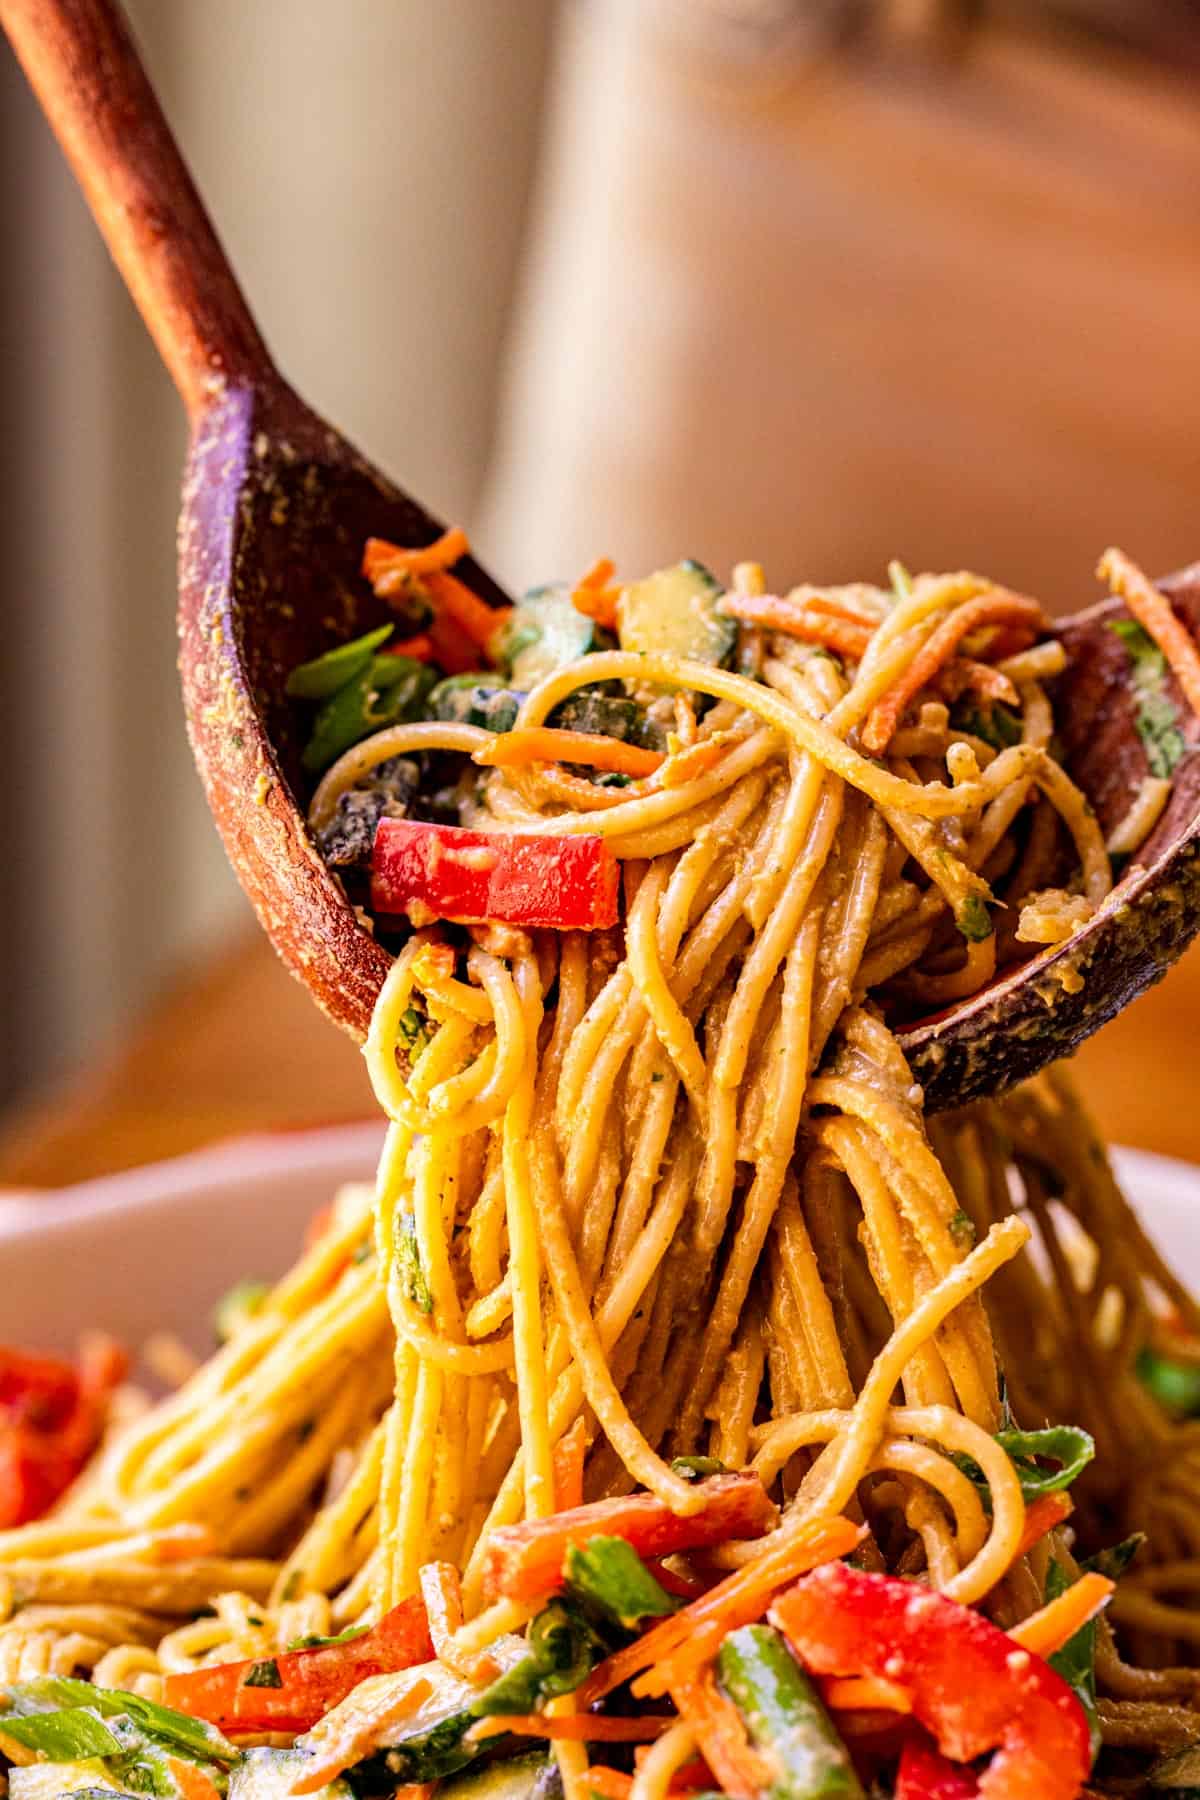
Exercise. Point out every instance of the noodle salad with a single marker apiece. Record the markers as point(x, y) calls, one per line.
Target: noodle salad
point(682, 1413)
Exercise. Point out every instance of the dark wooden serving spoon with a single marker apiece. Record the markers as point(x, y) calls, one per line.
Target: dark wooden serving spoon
point(276, 504)
point(276, 508)
point(1046, 1007)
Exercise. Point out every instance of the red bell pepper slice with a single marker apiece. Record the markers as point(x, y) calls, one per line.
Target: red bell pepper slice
point(52, 1416)
point(553, 883)
point(303, 1684)
point(971, 1687)
point(525, 1562)
point(924, 1774)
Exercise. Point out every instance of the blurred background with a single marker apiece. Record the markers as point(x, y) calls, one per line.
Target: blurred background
point(819, 282)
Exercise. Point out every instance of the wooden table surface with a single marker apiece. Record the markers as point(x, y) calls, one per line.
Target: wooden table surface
point(237, 1046)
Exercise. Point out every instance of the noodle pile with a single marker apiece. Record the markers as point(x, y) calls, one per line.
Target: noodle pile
point(675, 1183)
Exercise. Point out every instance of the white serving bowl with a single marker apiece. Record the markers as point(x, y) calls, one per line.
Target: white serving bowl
point(153, 1250)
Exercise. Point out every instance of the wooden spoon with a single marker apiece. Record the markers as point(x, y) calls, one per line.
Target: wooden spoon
point(276, 508)
point(1047, 1007)
point(277, 505)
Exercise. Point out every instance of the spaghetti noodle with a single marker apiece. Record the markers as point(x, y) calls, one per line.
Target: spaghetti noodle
point(664, 1192)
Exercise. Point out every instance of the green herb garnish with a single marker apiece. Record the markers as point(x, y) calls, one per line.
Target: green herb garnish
point(1029, 1451)
point(263, 1674)
point(563, 1646)
point(997, 725)
point(608, 1576)
point(411, 1275)
point(1155, 716)
point(324, 675)
point(244, 1299)
point(698, 1468)
point(1175, 1385)
point(973, 919)
point(315, 1642)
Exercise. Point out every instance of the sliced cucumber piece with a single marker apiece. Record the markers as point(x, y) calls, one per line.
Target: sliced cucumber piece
point(606, 715)
point(675, 611)
point(530, 1777)
point(428, 1742)
point(546, 631)
point(269, 1774)
point(52, 1780)
point(465, 700)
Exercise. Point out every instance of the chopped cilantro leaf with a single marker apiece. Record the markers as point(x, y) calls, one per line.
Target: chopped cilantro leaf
point(1155, 716)
point(408, 1263)
point(974, 920)
point(263, 1674)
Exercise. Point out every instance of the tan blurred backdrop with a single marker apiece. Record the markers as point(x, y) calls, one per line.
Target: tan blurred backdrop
point(648, 277)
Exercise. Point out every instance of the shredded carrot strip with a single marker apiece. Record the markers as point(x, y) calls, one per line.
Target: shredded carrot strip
point(600, 573)
point(580, 1727)
point(569, 1454)
point(963, 673)
point(328, 1761)
point(722, 1737)
point(1155, 613)
point(1042, 1517)
point(995, 608)
point(865, 1693)
point(596, 595)
point(740, 1599)
point(542, 743)
point(831, 631)
point(1046, 1631)
point(610, 1784)
point(420, 648)
point(697, 759)
point(455, 602)
point(835, 609)
point(380, 558)
point(191, 1781)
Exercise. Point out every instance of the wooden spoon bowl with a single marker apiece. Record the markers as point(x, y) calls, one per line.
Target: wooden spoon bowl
point(276, 508)
point(277, 505)
point(1047, 1006)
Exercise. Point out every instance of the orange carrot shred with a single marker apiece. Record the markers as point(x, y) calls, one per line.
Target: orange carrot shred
point(740, 1599)
point(542, 743)
point(996, 607)
point(569, 1454)
point(596, 595)
point(830, 630)
point(696, 760)
point(381, 558)
point(455, 602)
point(722, 1736)
point(962, 673)
point(420, 648)
point(865, 1693)
point(610, 1784)
point(1155, 614)
point(1046, 1631)
point(1047, 1512)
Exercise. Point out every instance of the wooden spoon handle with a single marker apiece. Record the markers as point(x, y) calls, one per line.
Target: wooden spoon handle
point(84, 67)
